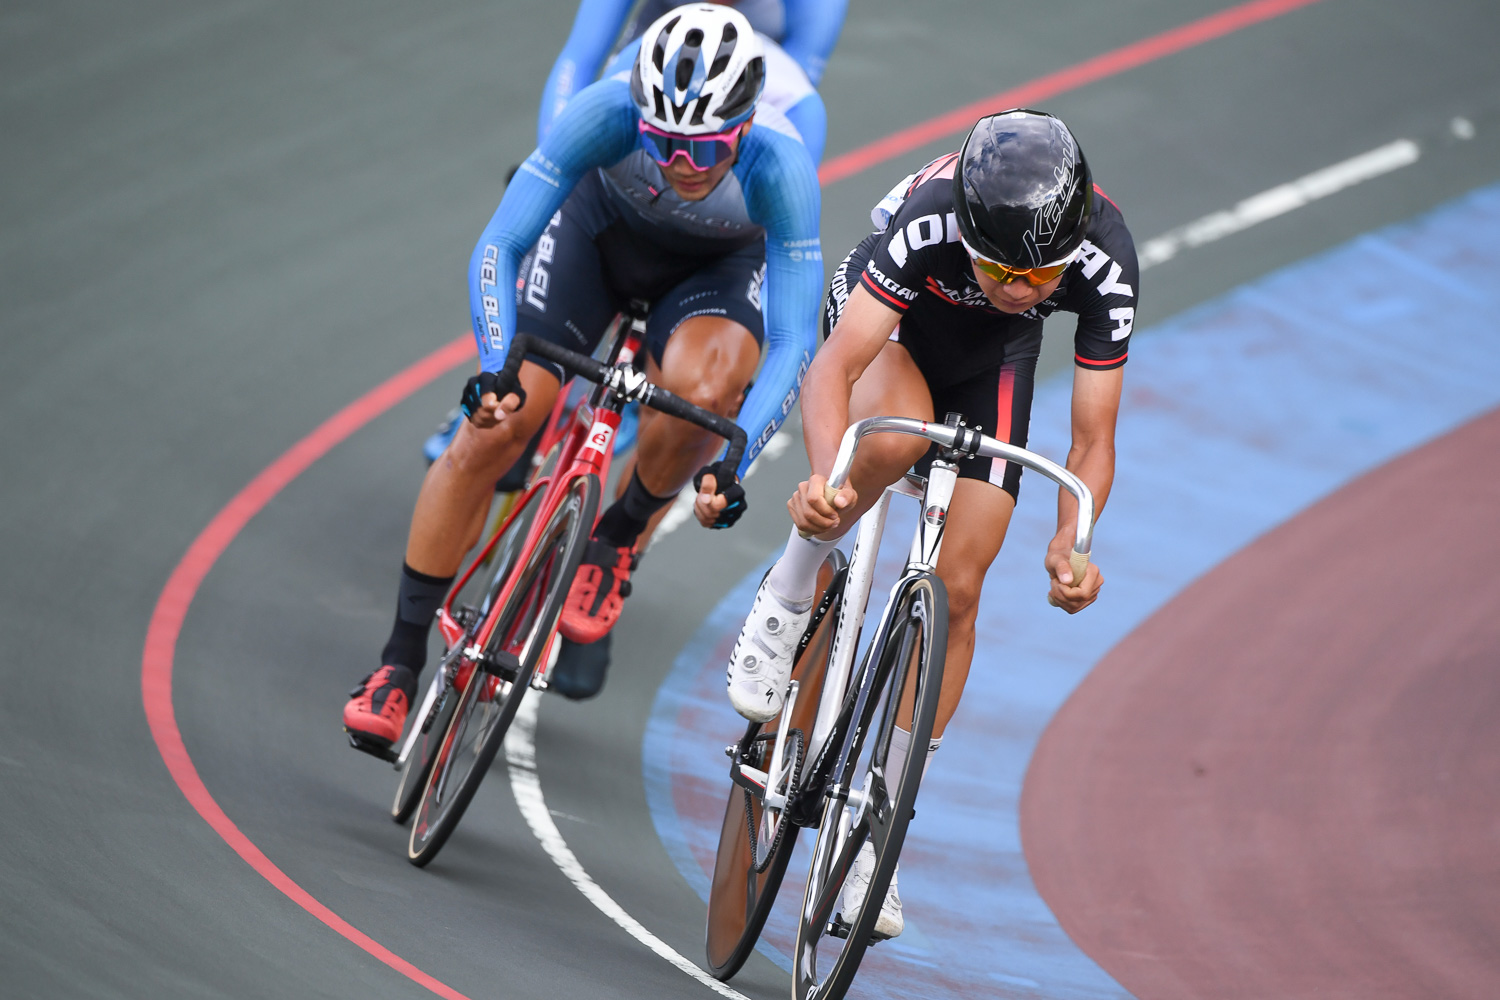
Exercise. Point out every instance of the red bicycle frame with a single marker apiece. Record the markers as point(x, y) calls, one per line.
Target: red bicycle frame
point(583, 434)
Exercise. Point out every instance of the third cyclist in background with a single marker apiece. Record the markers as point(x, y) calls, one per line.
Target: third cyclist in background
point(941, 311)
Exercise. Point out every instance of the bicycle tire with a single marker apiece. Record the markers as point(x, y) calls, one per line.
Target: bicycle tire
point(914, 637)
point(475, 600)
point(740, 898)
point(527, 620)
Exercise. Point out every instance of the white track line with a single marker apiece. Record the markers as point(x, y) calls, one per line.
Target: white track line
point(1280, 200)
point(520, 742)
point(520, 754)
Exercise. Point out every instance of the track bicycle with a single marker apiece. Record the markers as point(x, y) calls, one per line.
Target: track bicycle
point(823, 762)
point(499, 622)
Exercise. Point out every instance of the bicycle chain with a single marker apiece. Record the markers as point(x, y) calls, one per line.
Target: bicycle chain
point(759, 867)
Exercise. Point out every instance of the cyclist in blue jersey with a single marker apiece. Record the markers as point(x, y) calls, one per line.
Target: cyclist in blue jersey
point(672, 184)
point(806, 31)
point(798, 36)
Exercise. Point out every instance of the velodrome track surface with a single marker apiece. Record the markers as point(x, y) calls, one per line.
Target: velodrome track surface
point(220, 224)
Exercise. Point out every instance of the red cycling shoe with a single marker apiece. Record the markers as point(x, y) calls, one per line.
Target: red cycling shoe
point(377, 710)
point(598, 592)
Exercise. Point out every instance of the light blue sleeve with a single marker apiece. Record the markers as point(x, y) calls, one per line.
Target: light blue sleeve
point(812, 29)
point(596, 129)
point(811, 120)
point(595, 28)
point(782, 195)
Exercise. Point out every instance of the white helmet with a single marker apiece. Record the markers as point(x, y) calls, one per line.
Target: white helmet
point(700, 70)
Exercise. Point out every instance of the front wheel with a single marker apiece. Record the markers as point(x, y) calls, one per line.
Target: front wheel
point(755, 844)
point(899, 685)
point(480, 588)
point(522, 630)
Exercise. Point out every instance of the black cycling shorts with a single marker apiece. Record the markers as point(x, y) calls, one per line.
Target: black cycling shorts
point(997, 399)
point(588, 264)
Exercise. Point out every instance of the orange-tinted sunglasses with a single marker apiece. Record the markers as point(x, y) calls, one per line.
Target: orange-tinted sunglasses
point(1033, 276)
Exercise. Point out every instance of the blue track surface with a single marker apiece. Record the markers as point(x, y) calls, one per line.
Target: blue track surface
point(1238, 415)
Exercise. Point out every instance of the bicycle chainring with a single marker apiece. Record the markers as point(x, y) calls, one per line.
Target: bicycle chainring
point(795, 748)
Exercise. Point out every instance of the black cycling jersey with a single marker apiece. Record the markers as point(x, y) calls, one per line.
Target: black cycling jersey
point(918, 267)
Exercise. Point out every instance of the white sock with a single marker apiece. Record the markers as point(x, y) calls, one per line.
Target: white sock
point(895, 761)
point(794, 578)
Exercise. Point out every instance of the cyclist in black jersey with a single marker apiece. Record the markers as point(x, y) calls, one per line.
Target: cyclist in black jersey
point(941, 310)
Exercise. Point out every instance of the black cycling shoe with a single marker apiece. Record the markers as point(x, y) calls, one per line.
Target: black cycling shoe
point(580, 668)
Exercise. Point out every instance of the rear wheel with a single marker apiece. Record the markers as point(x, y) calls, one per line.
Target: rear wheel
point(755, 844)
point(487, 699)
point(469, 605)
point(908, 655)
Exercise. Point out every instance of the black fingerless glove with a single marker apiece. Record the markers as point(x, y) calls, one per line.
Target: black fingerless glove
point(501, 384)
point(728, 487)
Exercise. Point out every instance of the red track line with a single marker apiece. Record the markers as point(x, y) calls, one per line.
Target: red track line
point(172, 607)
point(182, 586)
point(1046, 87)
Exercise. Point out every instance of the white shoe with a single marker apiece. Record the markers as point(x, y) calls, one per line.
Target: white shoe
point(890, 923)
point(761, 665)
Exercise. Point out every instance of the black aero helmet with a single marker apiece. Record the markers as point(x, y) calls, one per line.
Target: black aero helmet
point(1022, 190)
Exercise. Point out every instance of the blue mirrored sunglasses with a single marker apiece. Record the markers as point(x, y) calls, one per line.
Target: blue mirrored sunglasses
point(702, 151)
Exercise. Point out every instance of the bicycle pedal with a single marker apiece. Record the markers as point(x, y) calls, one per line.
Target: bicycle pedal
point(373, 747)
point(837, 928)
point(504, 665)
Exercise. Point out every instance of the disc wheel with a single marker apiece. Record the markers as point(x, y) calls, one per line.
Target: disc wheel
point(906, 657)
point(478, 594)
point(523, 627)
point(748, 870)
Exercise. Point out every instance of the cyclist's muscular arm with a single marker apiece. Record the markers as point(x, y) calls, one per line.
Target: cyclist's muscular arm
point(1096, 406)
point(597, 128)
point(861, 332)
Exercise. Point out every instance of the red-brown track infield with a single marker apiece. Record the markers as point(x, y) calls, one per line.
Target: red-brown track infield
point(1286, 783)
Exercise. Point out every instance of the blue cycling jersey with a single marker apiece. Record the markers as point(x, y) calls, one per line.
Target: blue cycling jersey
point(805, 29)
point(773, 185)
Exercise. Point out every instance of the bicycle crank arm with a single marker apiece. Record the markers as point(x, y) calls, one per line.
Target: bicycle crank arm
point(774, 799)
point(422, 720)
point(751, 779)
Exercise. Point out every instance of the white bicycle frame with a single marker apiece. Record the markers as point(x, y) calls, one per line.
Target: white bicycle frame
point(935, 497)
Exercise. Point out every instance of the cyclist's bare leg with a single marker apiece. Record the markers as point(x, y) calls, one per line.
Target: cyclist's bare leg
point(977, 521)
point(708, 361)
point(455, 494)
point(892, 385)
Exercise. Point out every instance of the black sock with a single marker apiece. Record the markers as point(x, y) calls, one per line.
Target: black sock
point(417, 601)
point(626, 518)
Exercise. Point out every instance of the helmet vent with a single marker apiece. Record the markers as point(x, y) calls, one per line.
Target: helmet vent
point(687, 57)
point(661, 110)
point(726, 49)
point(745, 91)
point(659, 50)
point(698, 109)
